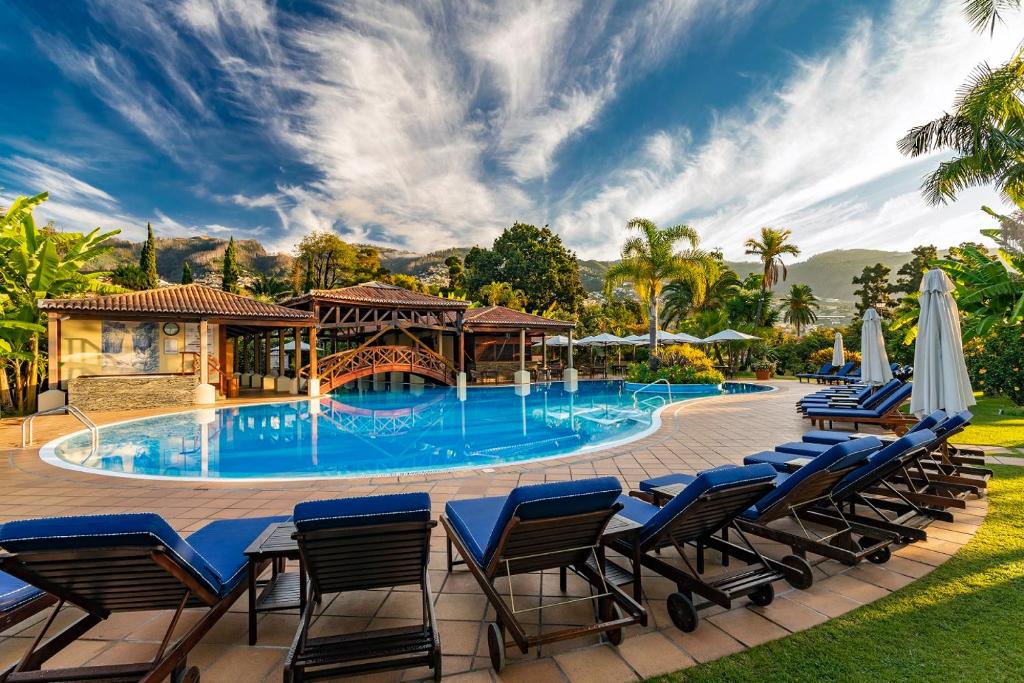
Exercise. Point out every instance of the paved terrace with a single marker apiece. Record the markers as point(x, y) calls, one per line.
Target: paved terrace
point(694, 436)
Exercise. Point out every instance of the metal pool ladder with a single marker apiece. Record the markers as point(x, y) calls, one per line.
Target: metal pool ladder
point(649, 385)
point(26, 426)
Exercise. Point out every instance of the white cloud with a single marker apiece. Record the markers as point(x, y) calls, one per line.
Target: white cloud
point(808, 154)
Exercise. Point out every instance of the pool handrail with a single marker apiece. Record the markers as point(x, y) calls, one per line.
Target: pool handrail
point(27, 433)
point(651, 384)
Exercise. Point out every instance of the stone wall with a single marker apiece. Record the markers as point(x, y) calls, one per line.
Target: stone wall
point(127, 392)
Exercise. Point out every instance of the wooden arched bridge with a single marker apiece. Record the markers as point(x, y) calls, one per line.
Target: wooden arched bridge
point(367, 360)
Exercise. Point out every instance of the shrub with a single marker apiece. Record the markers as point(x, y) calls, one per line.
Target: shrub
point(679, 365)
point(822, 356)
point(995, 362)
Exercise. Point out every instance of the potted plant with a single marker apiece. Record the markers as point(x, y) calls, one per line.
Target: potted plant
point(763, 368)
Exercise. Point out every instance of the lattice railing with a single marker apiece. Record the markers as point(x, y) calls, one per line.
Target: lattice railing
point(338, 368)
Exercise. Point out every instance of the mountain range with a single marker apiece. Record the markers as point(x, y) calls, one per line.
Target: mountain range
point(829, 273)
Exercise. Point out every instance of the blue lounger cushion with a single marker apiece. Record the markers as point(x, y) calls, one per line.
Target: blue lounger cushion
point(480, 522)
point(890, 402)
point(223, 540)
point(866, 473)
point(14, 593)
point(649, 485)
point(802, 449)
point(837, 457)
point(710, 480)
point(336, 513)
point(778, 460)
point(826, 436)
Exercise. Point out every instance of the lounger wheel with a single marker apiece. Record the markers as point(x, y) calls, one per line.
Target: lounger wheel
point(437, 665)
point(763, 595)
point(682, 612)
point(804, 578)
point(496, 646)
point(609, 611)
point(880, 556)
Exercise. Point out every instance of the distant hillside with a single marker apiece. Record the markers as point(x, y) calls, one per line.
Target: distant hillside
point(204, 254)
point(829, 274)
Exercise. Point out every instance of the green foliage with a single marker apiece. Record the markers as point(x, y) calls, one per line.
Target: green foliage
point(503, 294)
point(35, 265)
point(822, 356)
point(147, 261)
point(799, 307)
point(910, 274)
point(996, 361)
point(456, 274)
point(989, 288)
point(325, 261)
point(531, 260)
point(186, 274)
point(130, 276)
point(707, 285)
point(413, 284)
point(874, 290)
point(268, 288)
point(794, 353)
point(618, 315)
point(230, 271)
point(679, 364)
point(764, 365)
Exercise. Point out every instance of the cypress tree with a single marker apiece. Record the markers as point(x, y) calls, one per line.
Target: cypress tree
point(229, 281)
point(186, 274)
point(147, 260)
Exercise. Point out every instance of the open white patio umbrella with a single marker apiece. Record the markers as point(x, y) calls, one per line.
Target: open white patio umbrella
point(838, 353)
point(662, 336)
point(684, 338)
point(603, 339)
point(940, 373)
point(874, 361)
point(727, 336)
point(560, 340)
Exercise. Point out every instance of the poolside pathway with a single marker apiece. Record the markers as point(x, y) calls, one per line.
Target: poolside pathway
point(694, 436)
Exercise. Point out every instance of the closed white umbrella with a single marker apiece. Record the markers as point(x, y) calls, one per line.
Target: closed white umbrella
point(941, 381)
point(838, 355)
point(874, 361)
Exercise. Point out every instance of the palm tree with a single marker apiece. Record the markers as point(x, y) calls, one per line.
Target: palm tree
point(985, 14)
point(770, 250)
point(268, 288)
point(800, 306)
point(649, 260)
point(708, 285)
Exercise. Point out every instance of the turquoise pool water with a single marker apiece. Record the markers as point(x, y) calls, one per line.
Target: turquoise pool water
point(370, 433)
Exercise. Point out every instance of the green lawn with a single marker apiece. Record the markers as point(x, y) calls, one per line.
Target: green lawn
point(961, 622)
point(989, 428)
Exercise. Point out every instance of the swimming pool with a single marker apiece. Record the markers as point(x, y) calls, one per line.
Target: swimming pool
point(355, 434)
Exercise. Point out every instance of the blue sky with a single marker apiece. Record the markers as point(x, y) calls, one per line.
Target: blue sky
point(432, 124)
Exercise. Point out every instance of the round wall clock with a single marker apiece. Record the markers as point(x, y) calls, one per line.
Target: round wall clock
point(171, 329)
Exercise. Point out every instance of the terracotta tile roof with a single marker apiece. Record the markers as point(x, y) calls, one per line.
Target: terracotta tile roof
point(380, 294)
point(499, 316)
point(186, 300)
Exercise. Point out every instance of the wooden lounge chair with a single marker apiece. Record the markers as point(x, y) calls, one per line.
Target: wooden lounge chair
point(886, 414)
point(705, 507)
point(19, 601)
point(126, 563)
point(536, 528)
point(824, 370)
point(355, 544)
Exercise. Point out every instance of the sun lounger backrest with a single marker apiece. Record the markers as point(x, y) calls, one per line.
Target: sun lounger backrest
point(883, 391)
point(884, 462)
point(929, 421)
point(108, 562)
point(364, 543)
point(894, 400)
point(544, 525)
point(953, 424)
point(817, 478)
point(707, 504)
point(843, 371)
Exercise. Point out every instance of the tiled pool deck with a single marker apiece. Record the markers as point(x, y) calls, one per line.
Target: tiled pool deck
point(694, 436)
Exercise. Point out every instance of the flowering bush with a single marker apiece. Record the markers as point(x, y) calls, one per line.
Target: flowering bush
point(679, 365)
point(822, 356)
point(995, 362)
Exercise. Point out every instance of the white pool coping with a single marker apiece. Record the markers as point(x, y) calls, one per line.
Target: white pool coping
point(48, 452)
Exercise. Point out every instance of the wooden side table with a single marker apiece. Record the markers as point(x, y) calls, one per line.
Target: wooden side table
point(283, 590)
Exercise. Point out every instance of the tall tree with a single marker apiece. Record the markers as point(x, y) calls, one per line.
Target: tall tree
point(533, 261)
point(325, 261)
point(649, 261)
point(268, 288)
point(709, 284)
point(456, 274)
point(503, 294)
point(874, 291)
point(800, 307)
point(773, 245)
point(186, 273)
point(908, 277)
point(231, 271)
point(147, 260)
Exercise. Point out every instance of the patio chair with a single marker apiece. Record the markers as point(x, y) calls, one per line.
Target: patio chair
point(793, 495)
point(706, 506)
point(885, 414)
point(824, 370)
point(357, 544)
point(841, 374)
point(536, 528)
point(19, 601)
point(104, 564)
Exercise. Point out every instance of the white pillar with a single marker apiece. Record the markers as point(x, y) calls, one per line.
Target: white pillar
point(570, 376)
point(522, 377)
point(460, 386)
point(204, 393)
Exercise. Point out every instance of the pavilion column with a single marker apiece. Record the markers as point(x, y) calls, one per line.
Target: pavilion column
point(334, 340)
point(294, 387)
point(313, 383)
point(53, 397)
point(570, 376)
point(204, 393)
point(282, 383)
point(544, 353)
point(460, 378)
point(522, 377)
point(269, 383)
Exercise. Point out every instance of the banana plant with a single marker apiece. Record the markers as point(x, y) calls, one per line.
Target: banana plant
point(990, 288)
point(34, 266)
